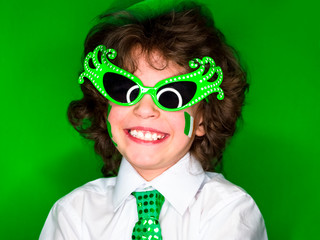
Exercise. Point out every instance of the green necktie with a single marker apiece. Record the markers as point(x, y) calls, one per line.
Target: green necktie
point(149, 206)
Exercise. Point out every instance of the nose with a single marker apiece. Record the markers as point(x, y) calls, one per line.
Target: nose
point(146, 108)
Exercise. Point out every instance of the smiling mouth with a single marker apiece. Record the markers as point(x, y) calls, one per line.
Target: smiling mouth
point(146, 135)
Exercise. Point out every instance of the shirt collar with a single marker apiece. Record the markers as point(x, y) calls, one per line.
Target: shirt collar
point(126, 182)
point(179, 184)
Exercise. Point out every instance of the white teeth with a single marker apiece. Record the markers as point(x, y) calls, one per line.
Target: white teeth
point(140, 135)
point(134, 133)
point(154, 136)
point(147, 136)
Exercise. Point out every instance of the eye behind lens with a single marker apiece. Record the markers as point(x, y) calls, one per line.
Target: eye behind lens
point(169, 98)
point(176, 94)
point(120, 88)
point(133, 93)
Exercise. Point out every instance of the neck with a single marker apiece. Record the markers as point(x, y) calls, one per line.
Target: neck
point(150, 174)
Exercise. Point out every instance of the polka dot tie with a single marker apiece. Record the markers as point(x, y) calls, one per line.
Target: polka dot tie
point(149, 206)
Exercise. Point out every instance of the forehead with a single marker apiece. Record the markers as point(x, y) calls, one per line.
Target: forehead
point(152, 67)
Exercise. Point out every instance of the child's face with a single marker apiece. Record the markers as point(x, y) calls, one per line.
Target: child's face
point(136, 129)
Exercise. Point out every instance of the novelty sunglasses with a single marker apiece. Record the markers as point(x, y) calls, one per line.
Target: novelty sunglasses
point(171, 94)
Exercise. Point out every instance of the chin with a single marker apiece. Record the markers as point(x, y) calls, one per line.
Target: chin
point(144, 162)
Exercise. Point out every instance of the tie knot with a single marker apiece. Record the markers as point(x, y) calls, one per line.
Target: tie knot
point(149, 204)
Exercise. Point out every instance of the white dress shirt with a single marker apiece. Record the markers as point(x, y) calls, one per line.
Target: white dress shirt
point(198, 206)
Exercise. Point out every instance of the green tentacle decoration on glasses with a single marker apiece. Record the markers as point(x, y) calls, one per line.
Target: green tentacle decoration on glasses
point(171, 94)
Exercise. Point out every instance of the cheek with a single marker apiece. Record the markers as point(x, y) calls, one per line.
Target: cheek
point(115, 118)
point(111, 117)
point(115, 114)
point(109, 125)
point(182, 123)
point(188, 124)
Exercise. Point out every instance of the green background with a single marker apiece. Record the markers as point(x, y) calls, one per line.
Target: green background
point(274, 155)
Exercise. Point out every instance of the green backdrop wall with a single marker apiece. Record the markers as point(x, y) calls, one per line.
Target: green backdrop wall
point(274, 155)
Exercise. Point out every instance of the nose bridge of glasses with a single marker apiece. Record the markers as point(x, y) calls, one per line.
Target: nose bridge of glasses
point(151, 91)
point(148, 90)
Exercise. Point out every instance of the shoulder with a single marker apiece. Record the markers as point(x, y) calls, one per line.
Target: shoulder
point(100, 188)
point(228, 206)
point(66, 217)
point(218, 193)
point(216, 186)
point(220, 196)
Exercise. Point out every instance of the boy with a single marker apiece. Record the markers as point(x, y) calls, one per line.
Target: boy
point(168, 90)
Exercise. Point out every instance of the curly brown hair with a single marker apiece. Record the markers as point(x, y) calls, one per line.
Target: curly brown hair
point(185, 32)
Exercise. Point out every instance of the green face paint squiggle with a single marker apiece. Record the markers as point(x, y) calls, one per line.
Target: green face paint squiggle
point(109, 125)
point(188, 128)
